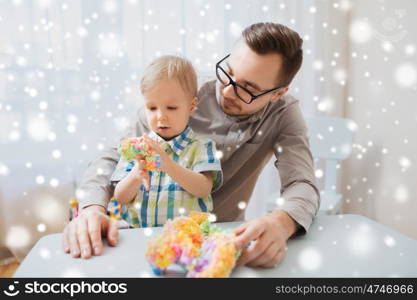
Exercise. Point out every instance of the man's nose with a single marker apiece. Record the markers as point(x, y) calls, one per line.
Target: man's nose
point(229, 92)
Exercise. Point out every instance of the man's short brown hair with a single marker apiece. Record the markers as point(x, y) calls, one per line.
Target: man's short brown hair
point(267, 38)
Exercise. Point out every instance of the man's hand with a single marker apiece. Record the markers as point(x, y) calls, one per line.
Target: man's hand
point(82, 236)
point(269, 235)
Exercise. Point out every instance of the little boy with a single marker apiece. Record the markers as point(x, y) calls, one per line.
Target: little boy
point(189, 169)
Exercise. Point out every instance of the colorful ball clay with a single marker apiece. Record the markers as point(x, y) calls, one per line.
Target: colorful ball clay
point(73, 211)
point(217, 257)
point(180, 240)
point(114, 209)
point(202, 248)
point(135, 148)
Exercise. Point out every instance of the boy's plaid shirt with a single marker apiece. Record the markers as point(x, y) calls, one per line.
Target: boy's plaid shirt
point(165, 198)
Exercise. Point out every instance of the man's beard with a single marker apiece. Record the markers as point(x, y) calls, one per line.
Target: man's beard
point(230, 105)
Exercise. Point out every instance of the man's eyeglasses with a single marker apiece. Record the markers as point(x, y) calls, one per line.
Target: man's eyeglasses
point(241, 92)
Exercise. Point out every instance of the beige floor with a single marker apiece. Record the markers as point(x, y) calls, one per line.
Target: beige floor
point(7, 271)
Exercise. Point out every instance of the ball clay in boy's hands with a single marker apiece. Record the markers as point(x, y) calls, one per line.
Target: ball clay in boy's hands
point(136, 148)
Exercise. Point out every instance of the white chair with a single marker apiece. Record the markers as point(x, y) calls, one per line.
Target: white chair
point(330, 142)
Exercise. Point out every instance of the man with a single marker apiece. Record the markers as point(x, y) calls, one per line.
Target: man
point(248, 115)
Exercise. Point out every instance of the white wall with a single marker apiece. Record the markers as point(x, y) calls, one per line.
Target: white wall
point(382, 182)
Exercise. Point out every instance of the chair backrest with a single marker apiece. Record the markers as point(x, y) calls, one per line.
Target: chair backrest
point(331, 141)
point(330, 137)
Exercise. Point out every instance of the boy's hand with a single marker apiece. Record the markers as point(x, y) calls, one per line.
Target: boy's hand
point(156, 147)
point(140, 174)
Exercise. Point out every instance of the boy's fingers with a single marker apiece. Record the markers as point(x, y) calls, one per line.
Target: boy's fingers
point(151, 142)
point(142, 164)
point(145, 181)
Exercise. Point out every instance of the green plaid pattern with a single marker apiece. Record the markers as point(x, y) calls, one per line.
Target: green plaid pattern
point(166, 199)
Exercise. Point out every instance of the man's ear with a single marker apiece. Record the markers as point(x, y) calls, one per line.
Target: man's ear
point(279, 94)
point(194, 104)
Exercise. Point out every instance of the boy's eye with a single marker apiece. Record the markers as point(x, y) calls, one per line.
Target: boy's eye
point(152, 108)
point(172, 107)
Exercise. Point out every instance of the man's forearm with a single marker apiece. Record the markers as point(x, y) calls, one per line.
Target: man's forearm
point(301, 202)
point(96, 189)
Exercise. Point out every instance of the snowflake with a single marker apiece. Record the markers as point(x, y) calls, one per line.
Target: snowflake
point(235, 29)
point(71, 128)
point(43, 105)
point(317, 64)
point(389, 241)
point(319, 173)
point(4, 170)
point(38, 128)
point(73, 272)
point(44, 253)
point(41, 227)
point(242, 205)
point(405, 75)
point(361, 242)
point(360, 31)
point(410, 49)
point(310, 259)
point(17, 237)
point(40, 179)
point(56, 154)
point(148, 231)
point(280, 201)
point(401, 194)
point(110, 6)
point(212, 218)
point(50, 209)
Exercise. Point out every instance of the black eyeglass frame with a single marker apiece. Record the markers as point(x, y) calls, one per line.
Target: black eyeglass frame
point(235, 84)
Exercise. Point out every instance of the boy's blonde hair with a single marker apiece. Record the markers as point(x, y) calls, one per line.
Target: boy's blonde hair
point(170, 67)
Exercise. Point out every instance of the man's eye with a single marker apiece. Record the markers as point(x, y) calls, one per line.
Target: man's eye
point(172, 107)
point(252, 90)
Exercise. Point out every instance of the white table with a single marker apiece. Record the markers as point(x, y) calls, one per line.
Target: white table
point(336, 246)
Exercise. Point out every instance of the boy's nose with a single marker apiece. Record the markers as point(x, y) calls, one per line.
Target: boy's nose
point(161, 116)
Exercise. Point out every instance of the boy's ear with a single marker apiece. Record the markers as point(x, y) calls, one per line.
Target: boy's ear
point(279, 94)
point(194, 104)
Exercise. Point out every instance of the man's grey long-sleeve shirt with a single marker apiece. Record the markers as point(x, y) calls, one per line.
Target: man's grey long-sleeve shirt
point(246, 145)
